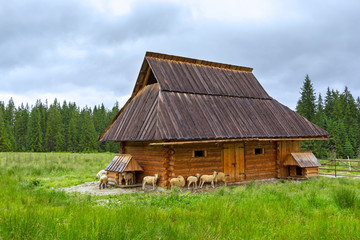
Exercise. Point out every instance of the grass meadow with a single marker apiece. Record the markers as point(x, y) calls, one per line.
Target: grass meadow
point(31, 208)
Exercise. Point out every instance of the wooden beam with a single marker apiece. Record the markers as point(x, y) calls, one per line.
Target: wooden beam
point(237, 140)
point(146, 77)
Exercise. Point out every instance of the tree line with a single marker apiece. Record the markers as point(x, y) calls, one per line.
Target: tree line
point(58, 127)
point(338, 113)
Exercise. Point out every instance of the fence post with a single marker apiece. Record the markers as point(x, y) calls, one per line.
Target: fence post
point(335, 166)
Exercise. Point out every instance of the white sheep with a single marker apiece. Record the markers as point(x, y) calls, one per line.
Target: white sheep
point(150, 180)
point(208, 178)
point(178, 182)
point(128, 177)
point(220, 177)
point(103, 181)
point(101, 172)
point(194, 180)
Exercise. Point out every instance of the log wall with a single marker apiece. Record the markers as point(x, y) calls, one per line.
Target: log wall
point(311, 172)
point(113, 177)
point(171, 161)
point(186, 164)
point(260, 166)
point(150, 158)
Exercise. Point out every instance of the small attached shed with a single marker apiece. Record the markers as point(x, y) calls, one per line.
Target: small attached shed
point(122, 163)
point(302, 164)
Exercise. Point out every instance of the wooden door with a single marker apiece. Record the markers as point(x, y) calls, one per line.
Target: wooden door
point(234, 162)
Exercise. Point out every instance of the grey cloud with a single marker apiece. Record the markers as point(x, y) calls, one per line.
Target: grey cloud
point(35, 30)
point(145, 21)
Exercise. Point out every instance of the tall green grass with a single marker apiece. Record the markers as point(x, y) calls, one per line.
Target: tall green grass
point(54, 169)
point(30, 209)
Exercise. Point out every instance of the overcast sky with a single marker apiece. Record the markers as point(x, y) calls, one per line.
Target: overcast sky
point(90, 51)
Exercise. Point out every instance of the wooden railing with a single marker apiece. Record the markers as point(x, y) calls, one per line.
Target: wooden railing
point(339, 167)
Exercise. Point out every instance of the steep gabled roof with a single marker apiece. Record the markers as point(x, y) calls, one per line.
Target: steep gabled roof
point(178, 98)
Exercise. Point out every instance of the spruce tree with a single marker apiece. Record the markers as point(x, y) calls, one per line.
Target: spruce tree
point(9, 123)
point(54, 137)
point(73, 133)
point(319, 148)
point(306, 104)
point(5, 144)
point(306, 108)
point(87, 133)
point(100, 123)
point(35, 133)
point(21, 127)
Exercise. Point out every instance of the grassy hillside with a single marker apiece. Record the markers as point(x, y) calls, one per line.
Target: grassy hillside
point(324, 208)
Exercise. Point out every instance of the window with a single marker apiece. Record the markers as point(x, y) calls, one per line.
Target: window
point(259, 151)
point(199, 153)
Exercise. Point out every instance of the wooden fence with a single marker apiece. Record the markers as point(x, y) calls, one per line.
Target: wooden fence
point(339, 167)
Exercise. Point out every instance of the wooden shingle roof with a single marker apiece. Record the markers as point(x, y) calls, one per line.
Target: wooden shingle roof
point(123, 163)
point(178, 98)
point(302, 159)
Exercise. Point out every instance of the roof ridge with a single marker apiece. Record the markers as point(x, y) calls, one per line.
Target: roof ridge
point(194, 61)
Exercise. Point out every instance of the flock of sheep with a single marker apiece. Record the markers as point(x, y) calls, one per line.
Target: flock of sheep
point(174, 182)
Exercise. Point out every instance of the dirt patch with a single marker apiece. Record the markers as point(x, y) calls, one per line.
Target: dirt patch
point(93, 188)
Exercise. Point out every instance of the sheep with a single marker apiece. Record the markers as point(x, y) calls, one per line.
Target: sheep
point(208, 178)
point(178, 182)
point(220, 177)
point(150, 180)
point(193, 179)
point(103, 180)
point(101, 172)
point(128, 177)
point(120, 178)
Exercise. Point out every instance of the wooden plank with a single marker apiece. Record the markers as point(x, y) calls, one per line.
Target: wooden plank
point(229, 160)
point(240, 162)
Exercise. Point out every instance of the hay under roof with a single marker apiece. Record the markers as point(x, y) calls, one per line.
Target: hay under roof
point(178, 98)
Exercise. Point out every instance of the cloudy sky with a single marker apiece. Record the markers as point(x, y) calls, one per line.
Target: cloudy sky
point(90, 51)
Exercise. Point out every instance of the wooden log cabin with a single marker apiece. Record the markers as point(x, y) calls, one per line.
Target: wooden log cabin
point(188, 116)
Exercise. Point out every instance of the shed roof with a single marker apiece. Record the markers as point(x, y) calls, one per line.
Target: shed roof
point(123, 163)
point(178, 98)
point(302, 159)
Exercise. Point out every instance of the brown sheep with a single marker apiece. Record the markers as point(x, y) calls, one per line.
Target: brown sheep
point(128, 177)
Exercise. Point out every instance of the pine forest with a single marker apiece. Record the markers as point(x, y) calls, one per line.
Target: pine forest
point(339, 114)
point(59, 128)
